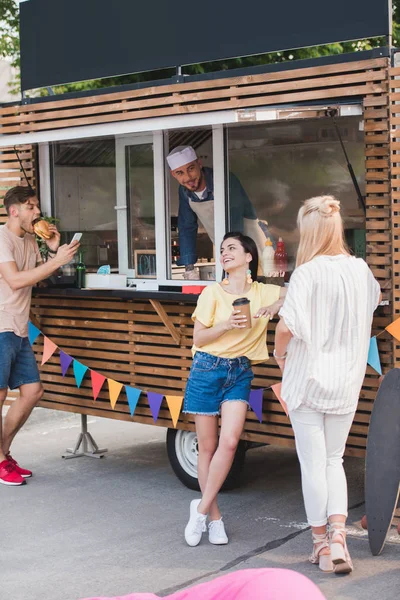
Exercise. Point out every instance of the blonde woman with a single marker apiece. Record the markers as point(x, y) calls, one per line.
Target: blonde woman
point(321, 346)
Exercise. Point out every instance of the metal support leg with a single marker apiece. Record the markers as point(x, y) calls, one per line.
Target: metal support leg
point(85, 446)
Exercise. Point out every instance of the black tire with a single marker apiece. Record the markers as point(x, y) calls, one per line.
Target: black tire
point(182, 454)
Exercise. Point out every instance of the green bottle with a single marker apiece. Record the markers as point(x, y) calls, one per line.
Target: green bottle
point(80, 271)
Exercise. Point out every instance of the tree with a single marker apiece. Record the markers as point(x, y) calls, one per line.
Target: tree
point(9, 35)
point(9, 48)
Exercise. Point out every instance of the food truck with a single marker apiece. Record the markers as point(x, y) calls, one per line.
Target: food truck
point(97, 159)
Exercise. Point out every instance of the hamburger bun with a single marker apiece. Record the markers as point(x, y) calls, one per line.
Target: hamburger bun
point(41, 228)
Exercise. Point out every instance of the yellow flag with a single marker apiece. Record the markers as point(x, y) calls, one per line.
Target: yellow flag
point(174, 405)
point(114, 389)
point(394, 329)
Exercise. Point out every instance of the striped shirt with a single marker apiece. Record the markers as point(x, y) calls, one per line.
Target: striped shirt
point(328, 308)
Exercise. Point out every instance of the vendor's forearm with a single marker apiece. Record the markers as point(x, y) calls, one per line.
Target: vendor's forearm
point(21, 279)
point(209, 334)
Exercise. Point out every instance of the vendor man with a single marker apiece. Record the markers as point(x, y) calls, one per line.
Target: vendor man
point(21, 267)
point(196, 203)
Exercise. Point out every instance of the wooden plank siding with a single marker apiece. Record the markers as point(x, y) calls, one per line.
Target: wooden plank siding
point(11, 173)
point(127, 340)
point(325, 83)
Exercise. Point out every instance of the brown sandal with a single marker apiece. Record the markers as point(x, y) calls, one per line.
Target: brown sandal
point(324, 561)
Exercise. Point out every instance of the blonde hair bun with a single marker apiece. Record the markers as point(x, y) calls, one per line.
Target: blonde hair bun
point(328, 206)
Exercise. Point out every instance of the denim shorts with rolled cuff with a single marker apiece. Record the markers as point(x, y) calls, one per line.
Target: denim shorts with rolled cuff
point(17, 361)
point(214, 380)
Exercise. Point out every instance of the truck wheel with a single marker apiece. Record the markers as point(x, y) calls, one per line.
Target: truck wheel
point(183, 451)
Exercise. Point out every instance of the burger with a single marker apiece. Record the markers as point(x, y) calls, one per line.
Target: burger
point(41, 228)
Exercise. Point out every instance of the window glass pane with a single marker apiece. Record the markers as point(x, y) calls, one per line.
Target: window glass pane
point(281, 164)
point(84, 196)
point(140, 201)
point(190, 190)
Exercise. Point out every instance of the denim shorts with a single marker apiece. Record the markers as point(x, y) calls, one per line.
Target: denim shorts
point(17, 361)
point(214, 380)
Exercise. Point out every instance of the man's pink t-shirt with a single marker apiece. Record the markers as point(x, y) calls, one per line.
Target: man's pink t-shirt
point(15, 305)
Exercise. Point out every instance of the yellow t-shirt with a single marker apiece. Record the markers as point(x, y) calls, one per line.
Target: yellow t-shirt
point(214, 305)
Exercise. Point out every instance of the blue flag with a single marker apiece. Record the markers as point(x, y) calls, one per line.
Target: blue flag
point(373, 356)
point(133, 395)
point(79, 372)
point(33, 333)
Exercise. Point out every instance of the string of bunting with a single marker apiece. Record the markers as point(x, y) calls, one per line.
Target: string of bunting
point(133, 394)
point(174, 402)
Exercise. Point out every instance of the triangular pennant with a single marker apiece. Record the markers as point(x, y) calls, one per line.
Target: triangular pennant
point(155, 401)
point(97, 383)
point(394, 329)
point(174, 405)
point(65, 361)
point(33, 333)
point(256, 402)
point(133, 395)
point(114, 389)
point(373, 356)
point(277, 391)
point(49, 348)
point(79, 371)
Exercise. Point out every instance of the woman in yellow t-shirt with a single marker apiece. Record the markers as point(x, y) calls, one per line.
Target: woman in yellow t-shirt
point(220, 378)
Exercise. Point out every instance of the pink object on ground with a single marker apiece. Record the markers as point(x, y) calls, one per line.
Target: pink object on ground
point(249, 584)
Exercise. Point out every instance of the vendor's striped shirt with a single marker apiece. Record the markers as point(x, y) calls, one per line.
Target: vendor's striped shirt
point(328, 308)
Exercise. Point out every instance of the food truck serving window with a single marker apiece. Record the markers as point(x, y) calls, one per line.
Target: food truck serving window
point(190, 202)
point(281, 164)
point(84, 191)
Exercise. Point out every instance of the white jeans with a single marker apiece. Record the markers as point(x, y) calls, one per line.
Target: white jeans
point(320, 444)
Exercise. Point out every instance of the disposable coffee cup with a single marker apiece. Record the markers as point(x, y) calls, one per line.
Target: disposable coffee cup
point(243, 304)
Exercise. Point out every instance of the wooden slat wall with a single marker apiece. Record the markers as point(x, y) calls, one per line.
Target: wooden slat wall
point(395, 192)
point(126, 341)
point(10, 171)
point(325, 83)
point(132, 345)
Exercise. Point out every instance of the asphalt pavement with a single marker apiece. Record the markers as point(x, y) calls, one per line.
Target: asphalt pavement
point(86, 527)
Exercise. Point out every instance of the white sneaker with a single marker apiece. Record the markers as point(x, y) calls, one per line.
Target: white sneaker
point(217, 533)
point(196, 525)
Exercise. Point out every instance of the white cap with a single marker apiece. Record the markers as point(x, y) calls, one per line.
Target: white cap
point(181, 155)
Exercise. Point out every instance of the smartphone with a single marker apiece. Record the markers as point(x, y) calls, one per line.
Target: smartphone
point(76, 238)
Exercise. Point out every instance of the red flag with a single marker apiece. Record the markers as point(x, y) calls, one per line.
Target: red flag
point(97, 383)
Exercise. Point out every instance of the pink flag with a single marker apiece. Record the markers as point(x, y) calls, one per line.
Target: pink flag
point(277, 391)
point(49, 348)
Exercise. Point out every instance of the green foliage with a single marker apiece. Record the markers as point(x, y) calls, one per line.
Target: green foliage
point(9, 48)
point(9, 37)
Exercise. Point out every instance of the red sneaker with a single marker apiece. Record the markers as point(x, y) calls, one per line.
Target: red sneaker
point(8, 474)
point(25, 473)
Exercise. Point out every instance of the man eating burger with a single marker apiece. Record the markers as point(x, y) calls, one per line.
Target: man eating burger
point(21, 267)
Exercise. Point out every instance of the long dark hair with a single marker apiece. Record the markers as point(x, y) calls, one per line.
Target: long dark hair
point(249, 246)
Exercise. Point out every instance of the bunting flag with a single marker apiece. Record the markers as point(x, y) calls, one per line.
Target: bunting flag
point(256, 402)
point(65, 361)
point(33, 333)
point(114, 389)
point(155, 401)
point(373, 355)
point(174, 405)
point(394, 330)
point(133, 395)
point(79, 371)
point(49, 348)
point(277, 391)
point(97, 383)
